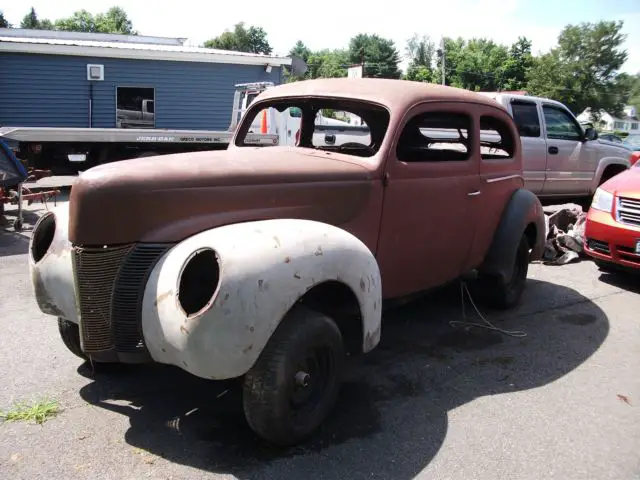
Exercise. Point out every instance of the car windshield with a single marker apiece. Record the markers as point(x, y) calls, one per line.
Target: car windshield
point(327, 124)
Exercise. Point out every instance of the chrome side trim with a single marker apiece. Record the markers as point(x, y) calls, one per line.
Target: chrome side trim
point(502, 179)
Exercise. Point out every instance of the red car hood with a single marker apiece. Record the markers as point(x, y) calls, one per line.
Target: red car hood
point(625, 184)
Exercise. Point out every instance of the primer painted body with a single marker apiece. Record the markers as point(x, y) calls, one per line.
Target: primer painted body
point(52, 277)
point(265, 267)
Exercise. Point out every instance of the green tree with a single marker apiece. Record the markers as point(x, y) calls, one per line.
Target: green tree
point(634, 90)
point(582, 70)
point(381, 58)
point(327, 64)
point(516, 69)
point(3, 21)
point(242, 39)
point(32, 21)
point(420, 51)
point(301, 50)
point(115, 20)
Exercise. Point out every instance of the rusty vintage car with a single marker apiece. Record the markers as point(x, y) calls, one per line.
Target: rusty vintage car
point(271, 264)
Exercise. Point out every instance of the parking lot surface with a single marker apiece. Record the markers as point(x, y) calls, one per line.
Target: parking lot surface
point(432, 401)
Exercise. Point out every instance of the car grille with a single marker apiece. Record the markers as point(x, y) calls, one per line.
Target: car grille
point(629, 211)
point(110, 283)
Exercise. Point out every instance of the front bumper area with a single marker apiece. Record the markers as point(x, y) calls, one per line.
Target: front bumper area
point(611, 241)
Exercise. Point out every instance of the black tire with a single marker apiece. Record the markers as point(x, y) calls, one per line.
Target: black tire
point(70, 334)
point(17, 225)
point(504, 295)
point(273, 385)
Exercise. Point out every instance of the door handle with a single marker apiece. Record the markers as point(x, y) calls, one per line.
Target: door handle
point(553, 150)
point(473, 194)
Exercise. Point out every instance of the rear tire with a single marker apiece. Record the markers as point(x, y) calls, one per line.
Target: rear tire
point(294, 384)
point(504, 295)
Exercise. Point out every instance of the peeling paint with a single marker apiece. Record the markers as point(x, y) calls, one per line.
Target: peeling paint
point(318, 251)
point(163, 296)
point(297, 275)
point(247, 349)
point(363, 286)
point(287, 259)
point(277, 241)
point(184, 330)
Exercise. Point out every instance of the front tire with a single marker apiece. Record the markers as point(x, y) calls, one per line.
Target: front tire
point(504, 295)
point(70, 335)
point(294, 384)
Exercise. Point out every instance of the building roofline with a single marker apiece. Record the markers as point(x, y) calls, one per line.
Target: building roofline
point(134, 51)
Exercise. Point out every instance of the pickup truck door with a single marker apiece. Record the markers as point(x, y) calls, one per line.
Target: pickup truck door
point(430, 200)
point(570, 159)
point(526, 115)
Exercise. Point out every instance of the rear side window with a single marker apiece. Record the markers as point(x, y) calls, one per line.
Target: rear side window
point(435, 137)
point(526, 117)
point(496, 140)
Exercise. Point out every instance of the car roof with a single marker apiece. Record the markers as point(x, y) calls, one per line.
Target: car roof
point(393, 94)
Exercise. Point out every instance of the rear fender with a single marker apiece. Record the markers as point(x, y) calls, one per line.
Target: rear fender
point(523, 209)
point(264, 268)
point(606, 162)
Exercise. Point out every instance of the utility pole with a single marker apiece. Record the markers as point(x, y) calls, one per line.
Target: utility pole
point(443, 63)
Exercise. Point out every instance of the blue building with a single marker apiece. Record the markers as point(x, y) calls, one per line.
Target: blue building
point(66, 79)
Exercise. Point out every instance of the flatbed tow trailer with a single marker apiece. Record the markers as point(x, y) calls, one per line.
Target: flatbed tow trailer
point(68, 151)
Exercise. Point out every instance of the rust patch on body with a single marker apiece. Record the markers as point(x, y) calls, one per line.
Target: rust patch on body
point(297, 275)
point(287, 259)
point(162, 296)
point(184, 330)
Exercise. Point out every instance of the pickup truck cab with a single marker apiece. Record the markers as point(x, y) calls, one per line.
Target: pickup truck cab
point(560, 158)
point(271, 264)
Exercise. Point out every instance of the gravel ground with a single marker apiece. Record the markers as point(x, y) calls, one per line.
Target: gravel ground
point(431, 401)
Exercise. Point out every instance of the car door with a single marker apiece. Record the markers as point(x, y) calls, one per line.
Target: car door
point(570, 160)
point(432, 188)
point(500, 175)
point(526, 115)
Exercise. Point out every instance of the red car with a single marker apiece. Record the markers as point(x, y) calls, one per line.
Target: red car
point(613, 222)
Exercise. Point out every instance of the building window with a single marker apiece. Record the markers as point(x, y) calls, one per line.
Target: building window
point(135, 107)
point(634, 126)
point(617, 125)
point(435, 137)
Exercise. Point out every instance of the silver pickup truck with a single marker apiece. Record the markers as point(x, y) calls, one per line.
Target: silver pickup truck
point(561, 159)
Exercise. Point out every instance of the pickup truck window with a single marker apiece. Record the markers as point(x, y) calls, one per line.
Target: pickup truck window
point(435, 137)
point(525, 114)
point(496, 141)
point(560, 125)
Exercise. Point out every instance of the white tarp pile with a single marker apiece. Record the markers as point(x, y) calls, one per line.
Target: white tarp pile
point(565, 234)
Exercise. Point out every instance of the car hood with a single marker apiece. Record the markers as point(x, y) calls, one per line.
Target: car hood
point(625, 184)
point(167, 198)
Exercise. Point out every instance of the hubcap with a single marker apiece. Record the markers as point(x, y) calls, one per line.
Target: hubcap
point(313, 377)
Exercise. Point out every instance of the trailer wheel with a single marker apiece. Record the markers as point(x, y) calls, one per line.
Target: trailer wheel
point(295, 382)
point(17, 225)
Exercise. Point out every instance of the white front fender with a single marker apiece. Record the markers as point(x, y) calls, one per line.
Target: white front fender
point(51, 270)
point(265, 268)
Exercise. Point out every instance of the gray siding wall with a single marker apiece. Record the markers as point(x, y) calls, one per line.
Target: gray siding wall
point(53, 91)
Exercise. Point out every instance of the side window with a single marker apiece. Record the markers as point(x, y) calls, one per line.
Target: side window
point(526, 117)
point(496, 140)
point(435, 137)
point(560, 125)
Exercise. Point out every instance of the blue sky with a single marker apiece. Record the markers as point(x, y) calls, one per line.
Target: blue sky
point(333, 22)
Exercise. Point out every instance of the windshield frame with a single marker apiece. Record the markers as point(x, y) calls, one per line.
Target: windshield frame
point(376, 116)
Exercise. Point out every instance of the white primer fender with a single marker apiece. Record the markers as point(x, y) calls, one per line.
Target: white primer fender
point(52, 276)
point(265, 267)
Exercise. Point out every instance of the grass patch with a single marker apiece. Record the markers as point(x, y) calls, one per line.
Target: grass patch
point(38, 411)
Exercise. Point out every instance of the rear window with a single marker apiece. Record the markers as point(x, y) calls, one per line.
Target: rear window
point(525, 114)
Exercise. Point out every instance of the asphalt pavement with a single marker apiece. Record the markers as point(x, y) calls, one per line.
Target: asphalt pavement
point(432, 401)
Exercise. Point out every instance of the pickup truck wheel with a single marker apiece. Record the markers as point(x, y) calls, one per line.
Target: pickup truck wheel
point(70, 334)
point(506, 295)
point(294, 384)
